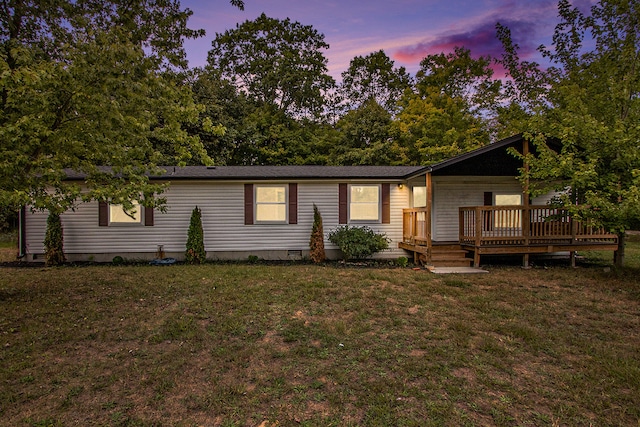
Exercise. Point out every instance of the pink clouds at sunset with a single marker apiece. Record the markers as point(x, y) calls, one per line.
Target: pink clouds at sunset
point(407, 30)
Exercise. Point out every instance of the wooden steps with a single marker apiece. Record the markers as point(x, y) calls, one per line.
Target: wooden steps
point(450, 255)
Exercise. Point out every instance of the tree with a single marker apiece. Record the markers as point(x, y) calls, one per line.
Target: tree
point(53, 241)
point(316, 241)
point(450, 111)
point(592, 109)
point(458, 75)
point(365, 137)
point(276, 63)
point(86, 84)
point(195, 253)
point(373, 77)
point(224, 105)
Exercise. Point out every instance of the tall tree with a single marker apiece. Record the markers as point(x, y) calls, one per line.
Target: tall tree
point(365, 137)
point(449, 111)
point(458, 75)
point(275, 62)
point(85, 84)
point(592, 109)
point(374, 77)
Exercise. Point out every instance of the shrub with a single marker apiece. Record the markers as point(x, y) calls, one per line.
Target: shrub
point(53, 241)
point(358, 242)
point(316, 242)
point(402, 261)
point(195, 253)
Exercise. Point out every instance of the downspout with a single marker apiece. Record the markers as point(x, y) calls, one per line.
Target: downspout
point(22, 241)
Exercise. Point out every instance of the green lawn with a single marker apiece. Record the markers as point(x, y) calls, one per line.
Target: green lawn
point(302, 345)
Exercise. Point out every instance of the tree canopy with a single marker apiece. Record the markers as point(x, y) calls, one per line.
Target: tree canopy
point(591, 107)
point(86, 84)
point(374, 77)
point(275, 62)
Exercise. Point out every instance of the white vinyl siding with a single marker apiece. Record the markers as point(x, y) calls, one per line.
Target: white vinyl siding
point(222, 206)
point(450, 193)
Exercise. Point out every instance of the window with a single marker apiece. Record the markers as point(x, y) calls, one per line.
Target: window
point(507, 199)
point(113, 214)
point(508, 218)
point(419, 197)
point(117, 215)
point(271, 203)
point(364, 203)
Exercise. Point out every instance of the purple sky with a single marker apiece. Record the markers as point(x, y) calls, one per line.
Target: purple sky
point(407, 30)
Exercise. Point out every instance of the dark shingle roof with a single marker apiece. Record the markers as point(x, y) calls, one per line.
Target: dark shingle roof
point(281, 172)
point(291, 172)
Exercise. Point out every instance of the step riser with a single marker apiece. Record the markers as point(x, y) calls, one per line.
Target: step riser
point(449, 256)
point(460, 263)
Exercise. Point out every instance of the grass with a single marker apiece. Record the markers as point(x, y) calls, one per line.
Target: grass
point(237, 345)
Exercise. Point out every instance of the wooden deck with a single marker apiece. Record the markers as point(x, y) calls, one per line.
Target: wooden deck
point(495, 230)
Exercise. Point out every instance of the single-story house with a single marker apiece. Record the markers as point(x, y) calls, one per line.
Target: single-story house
point(449, 213)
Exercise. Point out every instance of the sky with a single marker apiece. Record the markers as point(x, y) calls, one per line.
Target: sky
point(407, 30)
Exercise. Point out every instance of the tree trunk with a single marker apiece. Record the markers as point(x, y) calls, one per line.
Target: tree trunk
point(618, 256)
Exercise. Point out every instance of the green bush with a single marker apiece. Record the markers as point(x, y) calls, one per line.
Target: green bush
point(402, 261)
point(195, 253)
point(53, 241)
point(358, 242)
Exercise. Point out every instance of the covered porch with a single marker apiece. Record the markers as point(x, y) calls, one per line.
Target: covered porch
point(506, 230)
point(475, 205)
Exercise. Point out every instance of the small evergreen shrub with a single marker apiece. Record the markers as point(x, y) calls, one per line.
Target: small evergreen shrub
point(358, 242)
point(253, 259)
point(316, 242)
point(402, 261)
point(53, 241)
point(195, 253)
point(117, 260)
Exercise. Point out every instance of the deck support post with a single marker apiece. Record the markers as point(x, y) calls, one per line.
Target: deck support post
point(572, 256)
point(476, 258)
point(525, 261)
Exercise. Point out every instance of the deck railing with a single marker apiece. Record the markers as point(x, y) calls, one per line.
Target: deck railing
point(416, 227)
point(532, 225)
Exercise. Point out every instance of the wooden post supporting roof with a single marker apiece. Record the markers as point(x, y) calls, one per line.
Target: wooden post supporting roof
point(428, 214)
point(526, 217)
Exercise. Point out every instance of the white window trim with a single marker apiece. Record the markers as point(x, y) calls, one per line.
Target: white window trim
point(364, 221)
point(139, 211)
point(286, 204)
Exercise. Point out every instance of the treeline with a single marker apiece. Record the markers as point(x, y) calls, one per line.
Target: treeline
point(266, 84)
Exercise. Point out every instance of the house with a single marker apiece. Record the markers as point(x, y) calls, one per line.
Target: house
point(448, 213)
